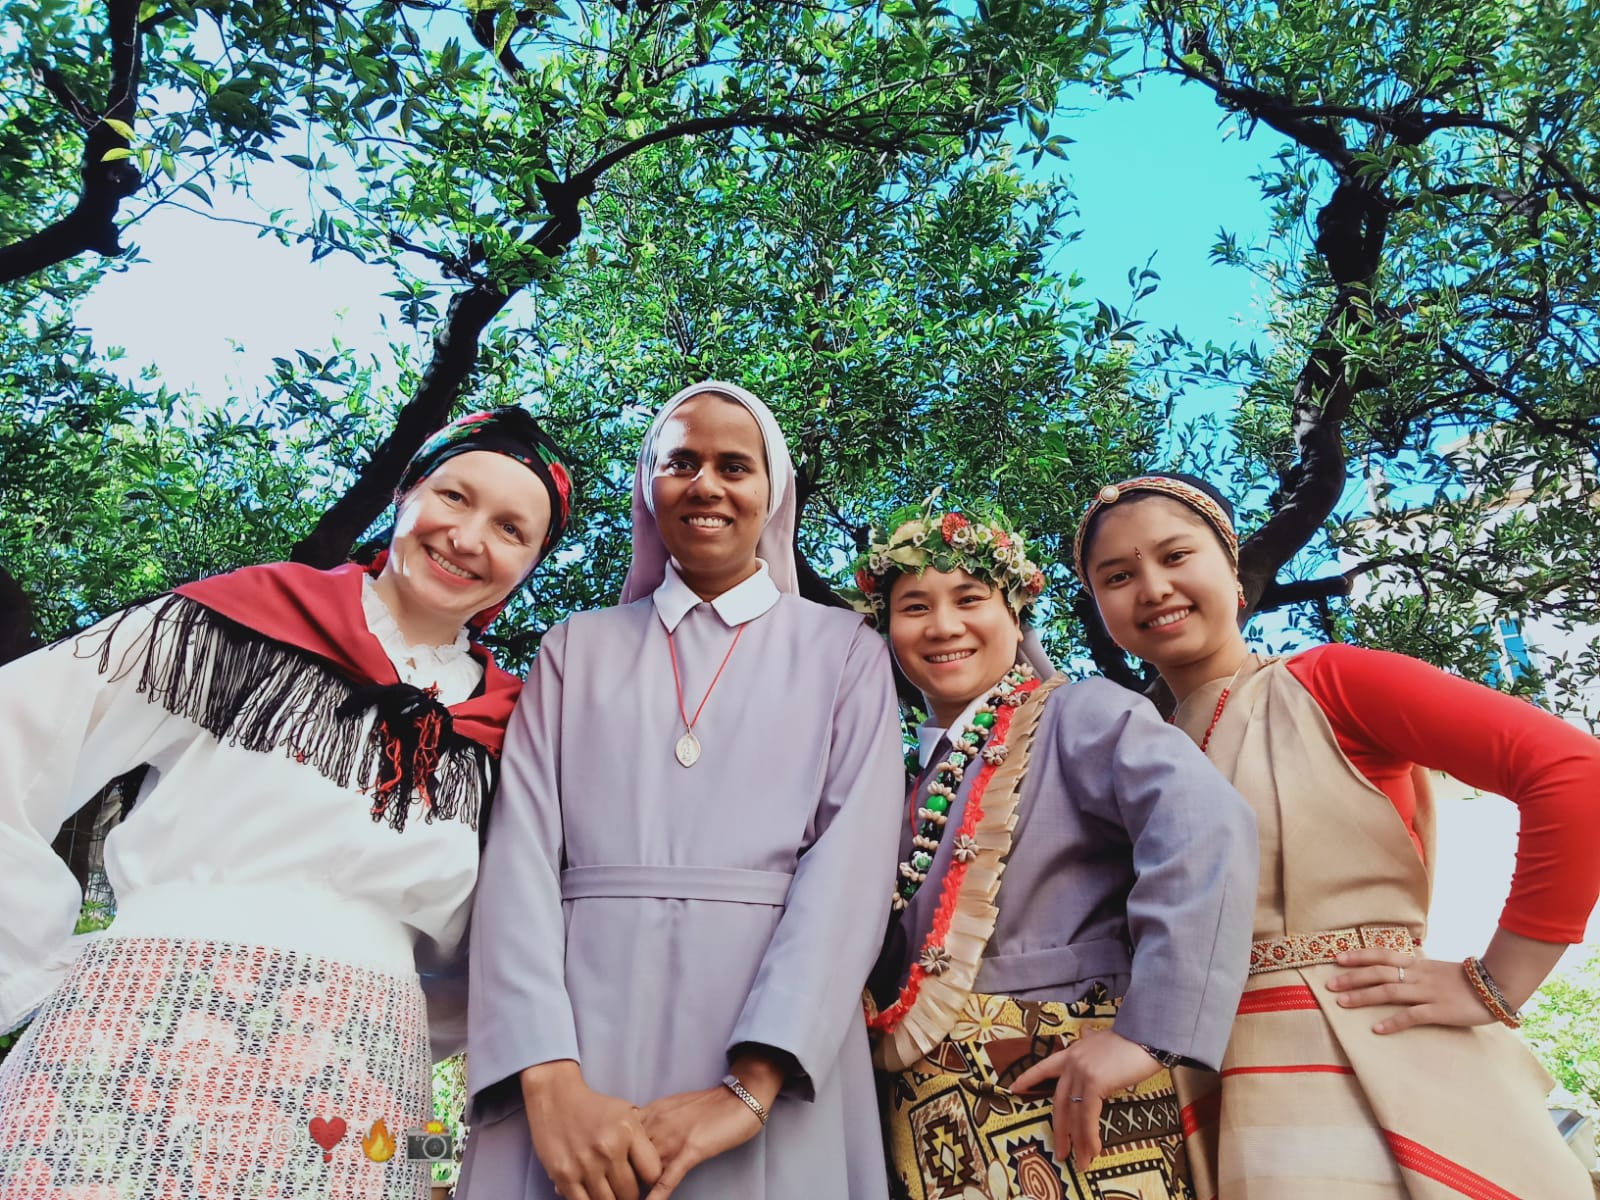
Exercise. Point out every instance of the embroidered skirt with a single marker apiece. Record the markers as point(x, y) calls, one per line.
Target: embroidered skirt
point(956, 1133)
point(169, 1069)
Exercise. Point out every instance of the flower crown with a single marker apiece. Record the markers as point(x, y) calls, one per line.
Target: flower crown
point(979, 541)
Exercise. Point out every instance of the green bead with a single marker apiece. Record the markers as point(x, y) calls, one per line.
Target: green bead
point(921, 860)
point(908, 889)
point(957, 759)
point(972, 737)
point(986, 721)
point(938, 804)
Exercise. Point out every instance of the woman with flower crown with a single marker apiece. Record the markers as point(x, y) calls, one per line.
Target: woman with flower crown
point(1357, 1066)
point(1072, 909)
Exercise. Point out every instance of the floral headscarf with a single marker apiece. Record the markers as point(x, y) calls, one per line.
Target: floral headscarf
point(516, 434)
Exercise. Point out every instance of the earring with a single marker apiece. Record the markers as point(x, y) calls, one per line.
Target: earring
point(1240, 587)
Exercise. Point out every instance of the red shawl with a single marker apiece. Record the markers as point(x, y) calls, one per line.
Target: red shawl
point(320, 612)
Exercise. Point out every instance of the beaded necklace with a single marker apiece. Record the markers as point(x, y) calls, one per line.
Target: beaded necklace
point(947, 776)
point(935, 959)
point(1222, 703)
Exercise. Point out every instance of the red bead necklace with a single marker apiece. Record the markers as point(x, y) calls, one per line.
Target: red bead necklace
point(1222, 703)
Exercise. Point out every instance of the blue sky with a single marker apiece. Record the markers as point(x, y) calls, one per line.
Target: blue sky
point(1157, 175)
point(1153, 176)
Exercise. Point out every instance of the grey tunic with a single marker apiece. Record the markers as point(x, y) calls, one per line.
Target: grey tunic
point(1133, 865)
point(644, 918)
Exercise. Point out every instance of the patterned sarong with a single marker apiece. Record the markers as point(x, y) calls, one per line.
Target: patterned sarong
point(956, 1132)
point(167, 1069)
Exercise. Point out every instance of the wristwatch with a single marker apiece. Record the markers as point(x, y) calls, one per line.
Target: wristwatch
point(1164, 1057)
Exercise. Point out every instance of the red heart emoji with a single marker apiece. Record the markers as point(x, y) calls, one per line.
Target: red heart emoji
point(327, 1134)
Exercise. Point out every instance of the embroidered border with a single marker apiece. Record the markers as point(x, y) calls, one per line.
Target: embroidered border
point(1310, 949)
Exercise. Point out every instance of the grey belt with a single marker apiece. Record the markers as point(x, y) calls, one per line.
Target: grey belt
point(731, 884)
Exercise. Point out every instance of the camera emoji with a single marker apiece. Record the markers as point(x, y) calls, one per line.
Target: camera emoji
point(429, 1144)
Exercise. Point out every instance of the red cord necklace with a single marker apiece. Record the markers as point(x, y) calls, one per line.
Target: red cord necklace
point(687, 751)
point(1222, 703)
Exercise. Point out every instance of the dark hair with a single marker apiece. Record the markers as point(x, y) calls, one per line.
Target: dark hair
point(1134, 494)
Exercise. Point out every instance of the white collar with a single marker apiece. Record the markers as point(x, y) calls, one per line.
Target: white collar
point(928, 734)
point(451, 667)
point(745, 601)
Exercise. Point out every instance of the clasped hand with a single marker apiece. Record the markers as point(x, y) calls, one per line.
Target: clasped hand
point(599, 1147)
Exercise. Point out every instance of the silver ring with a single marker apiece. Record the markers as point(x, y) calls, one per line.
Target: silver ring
point(1402, 974)
point(1076, 1099)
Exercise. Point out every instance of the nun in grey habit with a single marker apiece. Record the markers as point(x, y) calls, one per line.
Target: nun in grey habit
point(651, 921)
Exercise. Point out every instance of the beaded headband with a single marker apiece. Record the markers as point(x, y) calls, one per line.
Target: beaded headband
point(979, 541)
point(1178, 490)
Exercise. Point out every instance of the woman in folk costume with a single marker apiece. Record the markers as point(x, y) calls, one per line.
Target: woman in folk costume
point(681, 896)
point(1357, 1066)
point(1072, 910)
point(321, 747)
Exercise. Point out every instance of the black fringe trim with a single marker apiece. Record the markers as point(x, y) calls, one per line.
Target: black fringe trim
point(259, 694)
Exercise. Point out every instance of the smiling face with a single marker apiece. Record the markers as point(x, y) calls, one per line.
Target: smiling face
point(1166, 590)
point(464, 538)
point(953, 636)
point(710, 491)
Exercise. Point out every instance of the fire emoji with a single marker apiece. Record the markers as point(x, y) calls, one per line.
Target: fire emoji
point(378, 1145)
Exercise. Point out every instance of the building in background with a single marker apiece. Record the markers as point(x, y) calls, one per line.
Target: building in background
point(1526, 645)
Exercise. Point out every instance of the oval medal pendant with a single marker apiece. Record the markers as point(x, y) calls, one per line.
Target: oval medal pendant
point(687, 751)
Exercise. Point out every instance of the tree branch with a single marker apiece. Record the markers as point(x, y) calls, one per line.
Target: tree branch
point(1311, 488)
point(16, 619)
point(1301, 591)
point(91, 225)
point(777, 122)
point(1291, 120)
point(456, 340)
point(56, 84)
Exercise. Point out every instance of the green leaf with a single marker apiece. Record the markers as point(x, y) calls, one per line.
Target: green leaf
point(116, 154)
point(122, 128)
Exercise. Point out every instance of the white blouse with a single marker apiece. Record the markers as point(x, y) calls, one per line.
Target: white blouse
point(223, 843)
point(451, 669)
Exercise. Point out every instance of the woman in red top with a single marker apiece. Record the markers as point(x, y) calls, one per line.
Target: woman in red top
point(1358, 1066)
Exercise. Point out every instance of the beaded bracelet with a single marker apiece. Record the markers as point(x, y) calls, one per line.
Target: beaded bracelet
point(1489, 992)
point(731, 1082)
